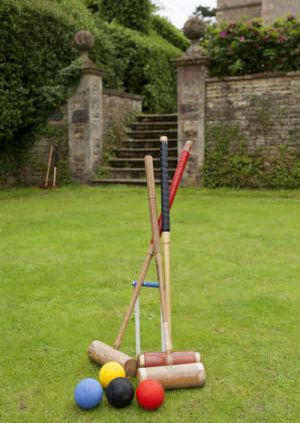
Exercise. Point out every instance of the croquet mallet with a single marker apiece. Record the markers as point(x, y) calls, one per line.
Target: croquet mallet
point(46, 183)
point(100, 352)
point(53, 157)
point(164, 358)
point(171, 376)
point(55, 162)
point(173, 190)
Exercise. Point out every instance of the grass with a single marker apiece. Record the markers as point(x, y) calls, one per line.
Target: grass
point(66, 262)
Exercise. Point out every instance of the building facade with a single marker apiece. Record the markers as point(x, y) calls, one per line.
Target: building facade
point(269, 10)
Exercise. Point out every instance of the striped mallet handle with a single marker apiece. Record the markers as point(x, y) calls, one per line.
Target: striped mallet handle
point(156, 245)
point(164, 173)
point(136, 292)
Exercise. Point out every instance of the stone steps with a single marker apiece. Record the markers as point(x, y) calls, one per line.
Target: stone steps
point(149, 144)
point(153, 126)
point(158, 118)
point(138, 161)
point(142, 138)
point(151, 134)
point(120, 181)
point(142, 152)
point(131, 172)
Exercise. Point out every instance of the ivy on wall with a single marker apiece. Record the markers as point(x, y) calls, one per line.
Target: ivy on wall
point(229, 163)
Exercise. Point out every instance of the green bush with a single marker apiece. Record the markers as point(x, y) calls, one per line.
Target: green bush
point(169, 32)
point(134, 14)
point(37, 62)
point(250, 47)
point(228, 163)
point(142, 66)
point(34, 49)
point(93, 5)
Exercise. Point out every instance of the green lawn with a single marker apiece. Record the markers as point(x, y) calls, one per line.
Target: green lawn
point(67, 259)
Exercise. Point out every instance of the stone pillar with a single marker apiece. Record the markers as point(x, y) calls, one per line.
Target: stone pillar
point(192, 71)
point(85, 115)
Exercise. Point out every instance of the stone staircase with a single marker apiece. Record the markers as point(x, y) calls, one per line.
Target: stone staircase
point(143, 137)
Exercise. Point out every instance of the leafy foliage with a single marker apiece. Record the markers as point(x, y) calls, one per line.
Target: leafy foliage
point(142, 66)
point(169, 32)
point(30, 78)
point(206, 12)
point(37, 61)
point(134, 14)
point(250, 47)
point(93, 5)
point(228, 163)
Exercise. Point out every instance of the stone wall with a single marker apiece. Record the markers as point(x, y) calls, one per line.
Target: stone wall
point(232, 10)
point(118, 106)
point(266, 108)
point(269, 10)
point(272, 9)
point(35, 163)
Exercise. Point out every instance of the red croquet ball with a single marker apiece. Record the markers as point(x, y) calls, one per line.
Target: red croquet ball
point(150, 394)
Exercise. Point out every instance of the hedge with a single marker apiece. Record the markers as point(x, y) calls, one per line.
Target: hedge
point(142, 66)
point(133, 14)
point(37, 63)
point(169, 32)
point(36, 60)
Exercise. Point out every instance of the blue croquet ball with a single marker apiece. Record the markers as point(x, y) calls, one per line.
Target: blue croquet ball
point(88, 393)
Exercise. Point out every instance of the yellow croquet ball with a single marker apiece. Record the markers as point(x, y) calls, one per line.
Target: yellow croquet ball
point(110, 371)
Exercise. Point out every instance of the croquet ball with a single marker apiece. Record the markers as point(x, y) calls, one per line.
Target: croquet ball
point(88, 393)
point(120, 392)
point(150, 394)
point(109, 372)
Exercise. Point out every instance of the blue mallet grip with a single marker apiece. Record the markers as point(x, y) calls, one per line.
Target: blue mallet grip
point(164, 173)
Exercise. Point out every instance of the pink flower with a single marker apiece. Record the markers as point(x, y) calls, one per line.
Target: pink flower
point(223, 34)
point(242, 38)
point(282, 38)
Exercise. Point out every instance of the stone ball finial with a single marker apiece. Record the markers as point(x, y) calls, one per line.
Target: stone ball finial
point(194, 29)
point(84, 41)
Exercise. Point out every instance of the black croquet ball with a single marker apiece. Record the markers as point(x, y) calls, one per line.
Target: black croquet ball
point(120, 392)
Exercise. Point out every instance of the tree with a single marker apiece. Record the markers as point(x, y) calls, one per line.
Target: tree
point(206, 12)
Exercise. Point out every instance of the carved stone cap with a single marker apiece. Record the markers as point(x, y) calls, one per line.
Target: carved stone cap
point(194, 29)
point(85, 41)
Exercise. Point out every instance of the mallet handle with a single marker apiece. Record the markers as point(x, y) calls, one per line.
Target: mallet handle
point(49, 165)
point(156, 244)
point(55, 160)
point(164, 174)
point(136, 292)
point(166, 226)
